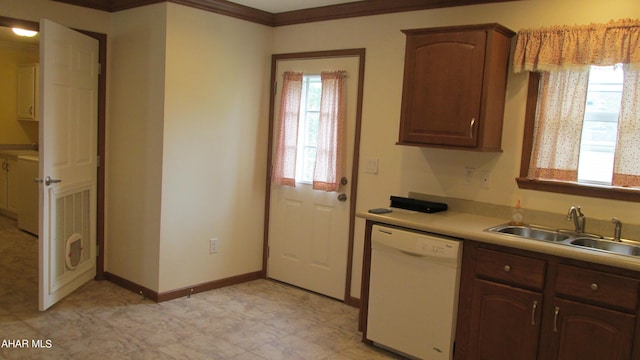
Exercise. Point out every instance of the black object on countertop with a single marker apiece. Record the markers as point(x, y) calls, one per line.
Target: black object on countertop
point(380, 211)
point(417, 205)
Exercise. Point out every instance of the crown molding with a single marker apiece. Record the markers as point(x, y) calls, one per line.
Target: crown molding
point(368, 8)
point(331, 12)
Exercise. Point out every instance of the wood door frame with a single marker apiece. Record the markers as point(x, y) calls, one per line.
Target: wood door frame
point(360, 54)
point(102, 88)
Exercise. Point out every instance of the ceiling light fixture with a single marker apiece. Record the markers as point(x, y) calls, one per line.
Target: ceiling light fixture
point(23, 32)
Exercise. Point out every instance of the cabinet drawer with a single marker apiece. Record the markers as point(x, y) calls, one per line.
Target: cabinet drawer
point(511, 269)
point(596, 286)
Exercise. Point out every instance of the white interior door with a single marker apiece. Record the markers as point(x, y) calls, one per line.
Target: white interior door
point(68, 160)
point(309, 229)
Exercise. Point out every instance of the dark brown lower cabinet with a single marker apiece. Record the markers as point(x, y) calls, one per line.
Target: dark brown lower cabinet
point(507, 320)
point(583, 332)
point(516, 304)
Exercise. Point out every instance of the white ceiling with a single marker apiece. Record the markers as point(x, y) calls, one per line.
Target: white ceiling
point(278, 6)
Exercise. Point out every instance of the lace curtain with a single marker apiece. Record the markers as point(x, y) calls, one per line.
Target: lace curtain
point(558, 128)
point(563, 47)
point(330, 154)
point(284, 166)
point(626, 166)
point(330, 149)
point(563, 56)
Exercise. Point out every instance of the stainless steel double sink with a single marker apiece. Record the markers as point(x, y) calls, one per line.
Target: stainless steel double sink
point(567, 237)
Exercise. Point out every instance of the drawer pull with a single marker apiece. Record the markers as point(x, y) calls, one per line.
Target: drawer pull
point(555, 319)
point(533, 313)
point(507, 268)
point(594, 287)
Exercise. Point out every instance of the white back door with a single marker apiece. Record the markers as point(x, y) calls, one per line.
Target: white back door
point(68, 159)
point(309, 229)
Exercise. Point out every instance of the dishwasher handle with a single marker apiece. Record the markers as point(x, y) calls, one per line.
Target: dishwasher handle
point(411, 253)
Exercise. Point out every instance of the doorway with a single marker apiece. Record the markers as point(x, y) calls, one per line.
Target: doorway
point(102, 56)
point(309, 233)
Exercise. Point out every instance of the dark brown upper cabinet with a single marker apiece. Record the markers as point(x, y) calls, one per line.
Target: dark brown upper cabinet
point(454, 87)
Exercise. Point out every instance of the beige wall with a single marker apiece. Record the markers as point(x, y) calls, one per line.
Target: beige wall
point(187, 137)
point(13, 131)
point(134, 144)
point(215, 140)
point(434, 171)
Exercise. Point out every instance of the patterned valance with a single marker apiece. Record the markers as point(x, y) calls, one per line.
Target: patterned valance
point(564, 47)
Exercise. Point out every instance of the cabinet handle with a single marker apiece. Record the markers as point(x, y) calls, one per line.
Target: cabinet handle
point(533, 313)
point(507, 268)
point(473, 121)
point(594, 287)
point(555, 319)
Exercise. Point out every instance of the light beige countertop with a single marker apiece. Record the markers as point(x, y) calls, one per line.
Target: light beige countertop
point(15, 153)
point(472, 227)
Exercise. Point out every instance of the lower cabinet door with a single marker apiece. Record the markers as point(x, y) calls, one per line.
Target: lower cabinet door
point(584, 332)
point(505, 322)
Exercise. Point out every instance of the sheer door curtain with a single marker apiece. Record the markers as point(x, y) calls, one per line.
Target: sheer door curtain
point(563, 55)
point(330, 150)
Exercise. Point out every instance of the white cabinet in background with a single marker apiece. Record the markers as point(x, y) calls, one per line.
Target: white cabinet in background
point(28, 193)
point(28, 92)
point(8, 189)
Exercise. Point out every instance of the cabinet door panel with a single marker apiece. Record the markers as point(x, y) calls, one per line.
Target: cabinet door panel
point(443, 107)
point(27, 74)
point(585, 332)
point(506, 322)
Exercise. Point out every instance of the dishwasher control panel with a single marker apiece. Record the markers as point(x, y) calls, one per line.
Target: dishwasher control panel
point(416, 243)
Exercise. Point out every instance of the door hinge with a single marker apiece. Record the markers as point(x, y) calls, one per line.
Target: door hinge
point(99, 68)
point(275, 87)
point(267, 252)
point(98, 161)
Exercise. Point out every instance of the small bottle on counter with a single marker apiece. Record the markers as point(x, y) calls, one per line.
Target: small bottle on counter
point(516, 217)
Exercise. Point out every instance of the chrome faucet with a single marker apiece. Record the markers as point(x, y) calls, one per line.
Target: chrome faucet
point(578, 218)
point(617, 232)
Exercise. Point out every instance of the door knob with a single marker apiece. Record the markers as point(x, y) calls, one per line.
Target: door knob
point(48, 180)
point(344, 181)
point(342, 197)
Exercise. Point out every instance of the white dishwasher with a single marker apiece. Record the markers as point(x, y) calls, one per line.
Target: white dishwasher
point(413, 292)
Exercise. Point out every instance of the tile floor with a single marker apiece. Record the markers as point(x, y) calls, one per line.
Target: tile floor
point(257, 320)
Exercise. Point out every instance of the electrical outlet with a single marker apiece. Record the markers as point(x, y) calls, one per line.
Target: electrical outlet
point(213, 246)
point(485, 179)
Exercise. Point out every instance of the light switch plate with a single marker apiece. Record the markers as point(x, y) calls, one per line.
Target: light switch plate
point(371, 165)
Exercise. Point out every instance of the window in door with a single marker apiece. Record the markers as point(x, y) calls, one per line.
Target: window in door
point(308, 128)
